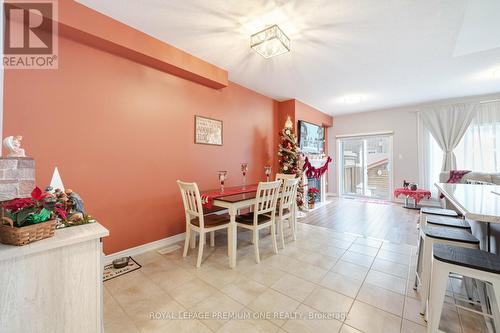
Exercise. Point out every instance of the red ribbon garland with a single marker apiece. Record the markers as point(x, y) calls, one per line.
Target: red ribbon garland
point(312, 172)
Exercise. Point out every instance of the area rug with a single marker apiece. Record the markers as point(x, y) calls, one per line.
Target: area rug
point(110, 272)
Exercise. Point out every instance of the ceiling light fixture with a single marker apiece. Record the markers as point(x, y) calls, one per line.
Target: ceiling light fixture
point(352, 99)
point(270, 42)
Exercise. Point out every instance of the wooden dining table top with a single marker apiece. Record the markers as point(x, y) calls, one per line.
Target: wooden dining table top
point(250, 193)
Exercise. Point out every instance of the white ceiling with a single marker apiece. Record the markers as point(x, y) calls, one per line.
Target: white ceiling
point(392, 52)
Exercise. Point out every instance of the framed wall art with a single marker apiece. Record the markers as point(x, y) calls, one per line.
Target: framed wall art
point(207, 131)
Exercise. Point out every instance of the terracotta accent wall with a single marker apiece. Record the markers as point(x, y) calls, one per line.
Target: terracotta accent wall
point(297, 110)
point(122, 133)
point(312, 115)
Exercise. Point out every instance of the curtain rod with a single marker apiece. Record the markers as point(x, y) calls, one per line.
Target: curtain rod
point(480, 102)
point(490, 101)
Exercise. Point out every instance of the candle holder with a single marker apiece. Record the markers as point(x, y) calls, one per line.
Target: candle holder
point(244, 170)
point(267, 171)
point(222, 179)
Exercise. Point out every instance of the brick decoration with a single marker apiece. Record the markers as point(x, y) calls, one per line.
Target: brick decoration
point(17, 177)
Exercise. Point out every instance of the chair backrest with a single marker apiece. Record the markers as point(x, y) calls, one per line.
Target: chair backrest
point(285, 176)
point(192, 201)
point(265, 200)
point(288, 195)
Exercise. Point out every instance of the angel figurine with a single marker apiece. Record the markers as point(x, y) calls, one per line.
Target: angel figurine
point(13, 146)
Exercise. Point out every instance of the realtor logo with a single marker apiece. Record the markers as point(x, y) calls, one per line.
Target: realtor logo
point(30, 34)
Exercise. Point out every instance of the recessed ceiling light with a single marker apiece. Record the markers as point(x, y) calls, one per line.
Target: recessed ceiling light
point(352, 99)
point(270, 42)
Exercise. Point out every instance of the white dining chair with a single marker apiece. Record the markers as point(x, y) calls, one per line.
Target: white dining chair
point(284, 176)
point(262, 215)
point(196, 221)
point(286, 206)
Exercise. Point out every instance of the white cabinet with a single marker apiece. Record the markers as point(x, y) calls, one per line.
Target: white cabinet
point(55, 284)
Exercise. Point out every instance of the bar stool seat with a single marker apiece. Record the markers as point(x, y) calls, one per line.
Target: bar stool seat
point(471, 258)
point(472, 263)
point(426, 212)
point(449, 222)
point(429, 236)
point(438, 211)
point(450, 234)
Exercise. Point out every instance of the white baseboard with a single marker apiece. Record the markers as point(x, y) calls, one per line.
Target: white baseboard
point(331, 194)
point(145, 247)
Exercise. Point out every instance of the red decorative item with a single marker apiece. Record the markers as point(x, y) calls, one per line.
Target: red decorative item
point(208, 198)
point(312, 172)
point(17, 204)
point(455, 177)
point(417, 195)
point(313, 190)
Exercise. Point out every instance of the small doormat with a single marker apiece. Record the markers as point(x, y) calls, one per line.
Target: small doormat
point(110, 272)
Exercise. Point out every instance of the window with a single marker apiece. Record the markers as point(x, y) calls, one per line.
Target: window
point(479, 149)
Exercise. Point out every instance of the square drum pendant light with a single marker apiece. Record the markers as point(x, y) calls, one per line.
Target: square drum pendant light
point(270, 42)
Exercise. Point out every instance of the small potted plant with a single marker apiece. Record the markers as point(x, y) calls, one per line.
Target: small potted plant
point(312, 194)
point(25, 220)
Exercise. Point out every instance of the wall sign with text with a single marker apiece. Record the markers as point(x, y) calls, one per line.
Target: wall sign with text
point(207, 131)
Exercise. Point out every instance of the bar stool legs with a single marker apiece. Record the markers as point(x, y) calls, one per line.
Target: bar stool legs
point(437, 292)
point(440, 273)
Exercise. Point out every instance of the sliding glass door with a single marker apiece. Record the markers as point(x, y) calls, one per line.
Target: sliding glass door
point(365, 166)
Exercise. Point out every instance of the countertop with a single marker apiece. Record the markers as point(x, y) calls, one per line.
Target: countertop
point(62, 237)
point(475, 202)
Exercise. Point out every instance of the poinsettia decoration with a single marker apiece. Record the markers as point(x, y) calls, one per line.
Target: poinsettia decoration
point(20, 212)
point(312, 193)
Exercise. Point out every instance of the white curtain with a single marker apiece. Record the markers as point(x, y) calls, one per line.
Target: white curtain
point(448, 124)
point(479, 149)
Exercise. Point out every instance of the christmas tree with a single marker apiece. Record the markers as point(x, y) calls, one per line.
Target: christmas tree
point(290, 160)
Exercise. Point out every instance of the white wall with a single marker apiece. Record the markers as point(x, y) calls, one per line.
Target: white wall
point(403, 122)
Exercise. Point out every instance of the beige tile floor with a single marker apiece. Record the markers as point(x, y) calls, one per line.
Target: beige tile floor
point(326, 281)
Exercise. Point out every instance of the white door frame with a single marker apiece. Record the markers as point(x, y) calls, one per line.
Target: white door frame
point(340, 165)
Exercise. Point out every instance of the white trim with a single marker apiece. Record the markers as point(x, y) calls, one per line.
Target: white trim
point(341, 136)
point(145, 247)
point(331, 194)
point(339, 156)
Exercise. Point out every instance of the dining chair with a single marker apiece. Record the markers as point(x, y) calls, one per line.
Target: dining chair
point(284, 176)
point(262, 215)
point(197, 221)
point(285, 209)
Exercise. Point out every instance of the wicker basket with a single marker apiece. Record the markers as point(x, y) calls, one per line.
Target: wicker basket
point(25, 235)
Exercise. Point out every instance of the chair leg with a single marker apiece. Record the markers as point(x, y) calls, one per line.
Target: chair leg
point(256, 245)
point(193, 240)
point(282, 235)
point(200, 249)
point(469, 288)
point(495, 304)
point(273, 236)
point(419, 262)
point(436, 297)
point(425, 275)
point(186, 241)
point(482, 291)
point(228, 231)
point(212, 238)
point(292, 225)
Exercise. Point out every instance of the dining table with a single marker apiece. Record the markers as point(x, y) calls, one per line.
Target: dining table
point(480, 203)
point(233, 199)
